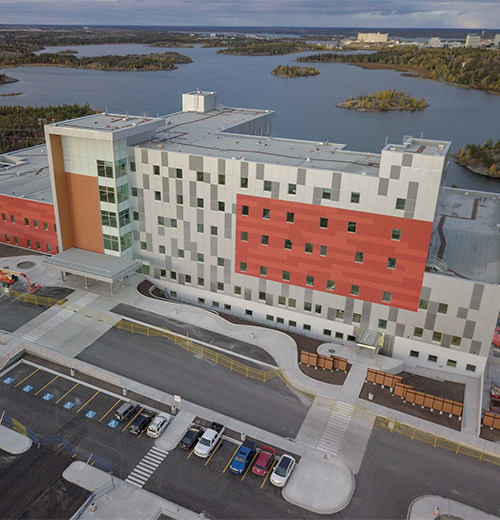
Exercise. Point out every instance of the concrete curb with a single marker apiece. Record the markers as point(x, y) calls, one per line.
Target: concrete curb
point(13, 442)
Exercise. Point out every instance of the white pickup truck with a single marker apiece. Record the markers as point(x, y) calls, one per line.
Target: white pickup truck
point(209, 440)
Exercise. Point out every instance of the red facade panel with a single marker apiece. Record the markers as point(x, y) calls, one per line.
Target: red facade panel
point(27, 223)
point(336, 260)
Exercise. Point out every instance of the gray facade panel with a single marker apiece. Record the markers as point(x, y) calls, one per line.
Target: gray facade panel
point(335, 196)
point(395, 172)
point(412, 190)
point(301, 176)
point(145, 181)
point(446, 340)
point(180, 213)
point(192, 189)
point(244, 169)
point(178, 186)
point(349, 309)
point(213, 246)
point(196, 163)
point(430, 321)
point(317, 195)
point(475, 347)
point(331, 314)
point(433, 306)
point(259, 172)
point(462, 313)
point(469, 329)
point(161, 231)
point(228, 225)
point(407, 159)
point(221, 166)
point(336, 181)
point(425, 294)
point(393, 315)
point(400, 330)
point(164, 158)
point(144, 156)
point(269, 299)
point(199, 216)
point(383, 187)
point(168, 262)
point(248, 293)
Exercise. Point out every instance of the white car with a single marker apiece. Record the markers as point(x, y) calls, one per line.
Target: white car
point(160, 422)
point(282, 470)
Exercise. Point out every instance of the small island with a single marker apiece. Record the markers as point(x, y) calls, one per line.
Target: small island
point(483, 159)
point(294, 71)
point(4, 79)
point(383, 101)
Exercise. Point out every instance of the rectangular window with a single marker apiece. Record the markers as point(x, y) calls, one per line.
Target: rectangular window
point(173, 222)
point(201, 300)
point(244, 182)
point(266, 213)
point(308, 306)
point(220, 262)
point(264, 240)
point(12, 219)
point(220, 286)
point(285, 276)
point(292, 302)
point(28, 242)
point(200, 228)
point(199, 203)
point(288, 243)
point(199, 176)
point(423, 304)
point(356, 318)
point(161, 249)
point(222, 206)
point(391, 263)
point(124, 217)
point(105, 169)
point(108, 218)
point(382, 324)
point(16, 241)
point(263, 270)
point(134, 192)
point(292, 189)
point(46, 226)
point(163, 273)
point(396, 234)
point(451, 363)
point(237, 290)
point(355, 196)
point(432, 359)
point(351, 227)
point(317, 309)
point(201, 257)
point(339, 335)
point(106, 194)
point(327, 194)
point(292, 323)
point(280, 320)
point(132, 166)
point(110, 242)
point(180, 253)
point(327, 332)
point(330, 285)
point(136, 215)
point(27, 222)
point(400, 203)
point(173, 275)
point(306, 326)
point(470, 368)
point(126, 241)
point(35, 224)
point(156, 169)
point(213, 230)
point(244, 236)
point(355, 290)
point(308, 248)
point(243, 267)
point(386, 297)
point(201, 281)
point(161, 221)
point(267, 185)
point(180, 198)
point(310, 281)
point(414, 353)
point(290, 217)
point(437, 336)
point(269, 317)
point(262, 295)
point(248, 312)
point(281, 300)
point(359, 257)
point(456, 341)
point(339, 315)
point(144, 246)
point(443, 308)
point(322, 250)
point(122, 193)
point(244, 210)
point(178, 173)
point(418, 332)
point(323, 222)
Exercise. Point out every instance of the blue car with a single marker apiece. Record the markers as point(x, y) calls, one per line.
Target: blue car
point(243, 457)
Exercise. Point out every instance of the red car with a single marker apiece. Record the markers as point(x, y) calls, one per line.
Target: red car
point(264, 461)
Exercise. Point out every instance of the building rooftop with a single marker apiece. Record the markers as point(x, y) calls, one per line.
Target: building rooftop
point(104, 122)
point(466, 238)
point(25, 174)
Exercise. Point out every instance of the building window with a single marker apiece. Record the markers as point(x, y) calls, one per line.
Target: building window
point(437, 336)
point(327, 332)
point(105, 169)
point(306, 326)
point(330, 285)
point(310, 281)
point(110, 242)
point(355, 196)
point(28, 242)
point(263, 270)
point(327, 194)
point(382, 324)
point(356, 318)
point(267, 185)
point(423, 304)
point(281, 321)
point(418, 332)
point(144, 246)
point(317, 309)
point(156, 169)
point(12, 219)
point(199, 176)
point(355, 290)
point(414, 353)
point(35, 222)
point(262, 295)
point(264, 240)
point(220, 262)
point(136, 215)
point(220, 286)
point(308, 306)
point(7, 238)
point(269, 317)
point(27, 222)
point(134, 192)
point(292, 302)
point(200, 228)
point(322, 250)
point(339, 315)
point(391, 263)
point(443, 308)
point(126, 241)
point(456, 341)
point(16, 241)
point(308, 248)
point(132, 166)
point(290, 217)
point(339, 335)
point(292, 323)
point(161, 249)
point(178, 173)
point(470, 368)
point(266, 213)
point(222, 179)
point(248, 312)
point(201, 281)
point(201, 300)
point(396, 234)
point(46, 226)
point(124, 217)
point(451, 363)
point(323, 222)
point(4, 217)
point(359, 257)
point(400, 203)
point(213, 230)
point(288, 243)
point(161, 221)
point(244, 210)
point(106, 194)
point(163, 273)
point(199, 203)
point(351, 227)
point(201, 257)
point(281, 300)
point(237, 290)
point(108, 218)
point(244, 182)
point(222, 206)
point(173, 222)
point(180, 198)
point(386, 297)
point(243, 267)
point(432, 359)
point(244, 236)
point(292, 189)
point(180, 253)
point(285, 276)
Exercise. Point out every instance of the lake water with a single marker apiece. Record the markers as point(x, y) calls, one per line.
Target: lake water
point(305, 107)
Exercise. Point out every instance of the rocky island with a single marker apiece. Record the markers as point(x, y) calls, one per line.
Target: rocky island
point(383, 101)
point(482, 159)
point(294, 71)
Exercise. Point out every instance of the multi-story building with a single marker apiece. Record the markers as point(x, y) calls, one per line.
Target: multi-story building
point(373, 37)
point(473, 40)
point(302, 236)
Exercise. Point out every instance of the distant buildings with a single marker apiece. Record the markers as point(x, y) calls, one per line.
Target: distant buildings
point(435, 42)
point(373, 37)
point(496, 41)
point(473, 40)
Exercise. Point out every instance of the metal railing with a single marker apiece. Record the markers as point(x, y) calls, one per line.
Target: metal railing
point(34, 298)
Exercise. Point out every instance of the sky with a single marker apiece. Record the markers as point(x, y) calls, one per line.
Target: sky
point(471, 14)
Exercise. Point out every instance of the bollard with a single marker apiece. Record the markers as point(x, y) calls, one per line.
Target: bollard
point(93, 507)
point(72, 372)
point(370, 397)
point(124, 391)
point(436, 511)
point(243, 437)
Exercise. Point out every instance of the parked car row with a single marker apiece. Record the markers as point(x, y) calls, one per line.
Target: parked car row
point(143, 419)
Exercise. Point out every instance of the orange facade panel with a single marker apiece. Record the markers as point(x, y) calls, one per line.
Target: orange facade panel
point(333, 250)
point(29, 224)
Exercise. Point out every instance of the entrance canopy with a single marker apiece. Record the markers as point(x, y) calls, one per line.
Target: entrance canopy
point(370, 339)
point(97, 266)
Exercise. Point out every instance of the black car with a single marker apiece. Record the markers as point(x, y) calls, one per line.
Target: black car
point(141, 422)
point(190, 437)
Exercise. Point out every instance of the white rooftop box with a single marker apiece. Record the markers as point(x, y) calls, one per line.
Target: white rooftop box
point(199, 101)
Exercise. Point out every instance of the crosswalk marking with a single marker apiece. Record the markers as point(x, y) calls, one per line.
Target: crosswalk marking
point(335, 428)
point(146, 467)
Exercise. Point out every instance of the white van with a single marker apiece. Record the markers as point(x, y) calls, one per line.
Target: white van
point(160, 422)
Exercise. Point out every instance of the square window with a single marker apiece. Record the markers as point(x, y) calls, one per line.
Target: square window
point(451, 363)
point(220, 262)
point(292, 323)
point(161, 250)
point(292, 189)
point(418, 332)
point(200, 228)
point(391, 263)
point(443, 308)
point(213, 230)
point(307, 327)
point(423, 304)
point(201, 257)
point(244, 210)
point(308, 248)
point(200, 202)
point(248, 312)
point(310, 281)
point(269, 317)
point(222, 206)
point(281, 300)
point(263, 270)
point(355, 196)
point(173, 222)
point(359, 257)
point(356, 318)
point(158, 197)
point(288, 243)
point(396, 234)
point(322, 250)
point(286, 276)
point(351, 227)
point(267, 185)
point(327, 194)
point(330, 285)
point(470, 368)
point(266, 213)
point(308, 306)
point(220, 286)
point(292, 302)
point(199, 176)
point(355, 290)
point(432, 359)
point(290, 217)
point(222, 179)
point(201, 281)
point(414, 353)
point(178, 173)
point(163, 273)
point(180, 199)
point(173, 275)
point(280, 320)
point(323, 222)
point(437, 336)
point(237, 290)
point(244, 182)
point(244, 236)
point(386, 297)
point(188, 278)
point(327, 332)
point(156, 169)
point(215, 304)
point(382, 324)
point(243, 267)
point(339, 335)
point(201, 300)
point(317, 309)
point(339, 314)
point(456, 341)
point(262, 295)
point(264, 240)
point(400, 203)
point(161, 221)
